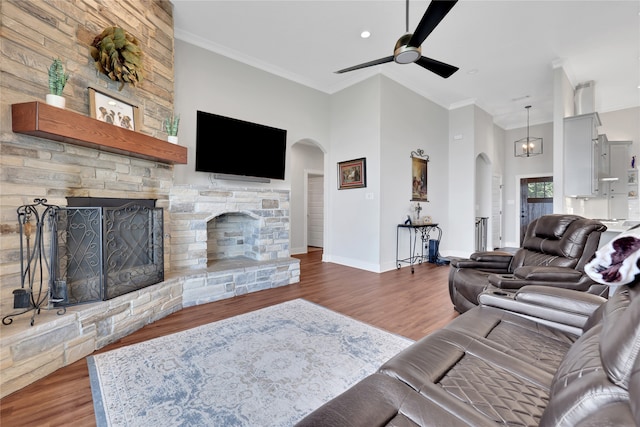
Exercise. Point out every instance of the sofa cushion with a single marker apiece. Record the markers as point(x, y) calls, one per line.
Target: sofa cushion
point(570, 243)
point(596, 371)
point(551, 257)
point(451, 366)
point(616, 414)
point(530, 341)
point(620, 341)
point(553, 226)
point(379, 400)
point(634, 391)
point(583, 399)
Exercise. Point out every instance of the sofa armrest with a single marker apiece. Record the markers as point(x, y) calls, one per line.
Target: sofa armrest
point(491, 256)
point(565, 309)
point(492, 261)
point(560, 299)
point(561, 277)
point(548, 274)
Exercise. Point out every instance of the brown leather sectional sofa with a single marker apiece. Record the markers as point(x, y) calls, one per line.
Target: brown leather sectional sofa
point(554, 252)
point(492, 367)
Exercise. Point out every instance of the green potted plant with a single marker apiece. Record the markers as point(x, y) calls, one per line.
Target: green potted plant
point(171, 124)
point(57, 80)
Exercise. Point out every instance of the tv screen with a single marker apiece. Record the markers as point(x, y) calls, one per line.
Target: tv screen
point(230, 146)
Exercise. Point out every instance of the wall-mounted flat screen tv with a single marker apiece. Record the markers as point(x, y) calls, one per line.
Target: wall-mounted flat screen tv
point(225, 145)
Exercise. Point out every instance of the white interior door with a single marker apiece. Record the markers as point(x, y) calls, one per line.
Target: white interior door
point(315, 210)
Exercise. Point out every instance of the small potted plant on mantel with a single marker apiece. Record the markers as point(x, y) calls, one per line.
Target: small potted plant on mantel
point(57, 80)
point(171, 127)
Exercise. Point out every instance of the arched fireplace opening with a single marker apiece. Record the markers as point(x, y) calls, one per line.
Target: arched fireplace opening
point(235, 235)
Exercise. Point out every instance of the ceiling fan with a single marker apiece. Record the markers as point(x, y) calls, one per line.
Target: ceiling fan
point(408, 47)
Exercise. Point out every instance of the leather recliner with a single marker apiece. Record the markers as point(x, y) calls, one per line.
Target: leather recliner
point(554, 252)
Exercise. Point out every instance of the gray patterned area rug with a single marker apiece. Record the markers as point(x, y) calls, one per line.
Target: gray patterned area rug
point(269, 367)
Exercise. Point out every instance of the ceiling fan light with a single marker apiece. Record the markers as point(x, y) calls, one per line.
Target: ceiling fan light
point(405, 54)
point(406, 57)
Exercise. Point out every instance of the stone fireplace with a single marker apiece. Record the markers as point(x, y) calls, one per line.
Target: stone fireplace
point(233, 240)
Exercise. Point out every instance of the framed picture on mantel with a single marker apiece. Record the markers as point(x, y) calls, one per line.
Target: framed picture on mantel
point(111, 109)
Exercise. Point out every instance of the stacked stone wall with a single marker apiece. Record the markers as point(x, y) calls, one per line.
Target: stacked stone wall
point(35, 32)
point(192, 207)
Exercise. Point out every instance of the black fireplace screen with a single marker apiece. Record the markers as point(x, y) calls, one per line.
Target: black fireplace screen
point(104, 252)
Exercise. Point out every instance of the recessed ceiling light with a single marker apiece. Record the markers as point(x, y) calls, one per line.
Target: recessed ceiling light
point(365, 34)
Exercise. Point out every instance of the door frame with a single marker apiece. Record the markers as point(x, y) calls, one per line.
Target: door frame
point(305, 216)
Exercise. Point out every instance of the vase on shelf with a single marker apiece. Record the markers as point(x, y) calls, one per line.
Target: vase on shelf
point(172, 139)
point(55, 100)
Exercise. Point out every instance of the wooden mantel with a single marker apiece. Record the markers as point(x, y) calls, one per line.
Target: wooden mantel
point(45, 121)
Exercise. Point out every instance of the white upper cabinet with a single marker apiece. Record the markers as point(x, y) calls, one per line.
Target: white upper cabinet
point(582, 156)
point(619, 165)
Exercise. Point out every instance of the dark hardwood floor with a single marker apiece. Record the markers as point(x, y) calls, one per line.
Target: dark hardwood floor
point(411, 305)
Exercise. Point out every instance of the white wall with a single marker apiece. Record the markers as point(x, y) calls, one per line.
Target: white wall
point(485, 150)
point(352, 233)
point(474, 155)
point(461, 181)
point(384, 122)
point(623, 125)
point(410, 122)
point(215, 84)
point(562, 107)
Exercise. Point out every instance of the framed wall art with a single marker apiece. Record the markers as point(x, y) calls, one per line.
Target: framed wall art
point(352, 174)
point(110, 109)
point(419, 162)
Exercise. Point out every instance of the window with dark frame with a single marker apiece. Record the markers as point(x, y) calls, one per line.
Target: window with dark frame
point(540, 190)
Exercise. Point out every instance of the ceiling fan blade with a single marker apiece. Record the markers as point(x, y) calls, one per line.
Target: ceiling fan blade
point(367, 64)
point(440, 68)
point(435, 13)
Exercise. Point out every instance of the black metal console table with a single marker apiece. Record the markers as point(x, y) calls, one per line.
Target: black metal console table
point(416, 231)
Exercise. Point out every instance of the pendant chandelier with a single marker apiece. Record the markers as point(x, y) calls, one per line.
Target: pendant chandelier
point(529, 146)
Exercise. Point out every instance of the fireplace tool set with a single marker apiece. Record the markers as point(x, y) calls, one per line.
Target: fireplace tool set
point(35, 221)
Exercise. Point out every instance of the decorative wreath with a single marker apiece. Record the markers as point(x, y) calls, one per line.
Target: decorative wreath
point(118, 56)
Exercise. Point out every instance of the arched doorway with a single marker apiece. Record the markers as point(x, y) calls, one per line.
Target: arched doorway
point(307, 187)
